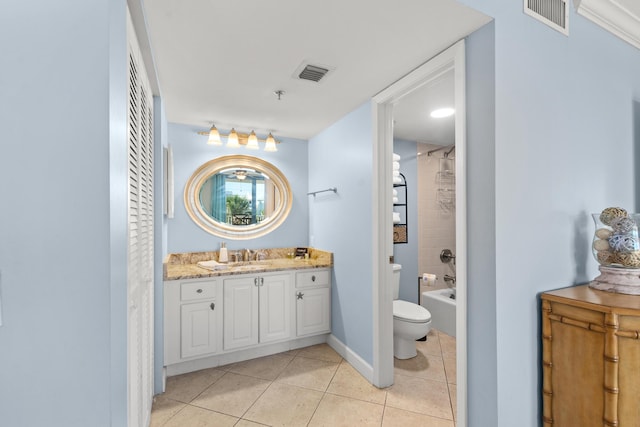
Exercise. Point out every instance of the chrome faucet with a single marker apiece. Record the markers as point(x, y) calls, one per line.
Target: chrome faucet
point(247, 254)
point(450, 280)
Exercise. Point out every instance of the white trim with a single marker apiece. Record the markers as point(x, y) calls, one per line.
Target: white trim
point(613, 17)
point(242, 355)
point(450, 59)
point(358, 363)
point(382, 244)
point(461, 231)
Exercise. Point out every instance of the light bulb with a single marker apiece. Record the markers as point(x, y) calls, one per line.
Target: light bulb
point(232, 140)
point(271, 144)
point(214, 136)
point(252, 143)
point(442, 112)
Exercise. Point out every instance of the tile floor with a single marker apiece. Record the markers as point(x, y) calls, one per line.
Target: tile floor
point(314, 386)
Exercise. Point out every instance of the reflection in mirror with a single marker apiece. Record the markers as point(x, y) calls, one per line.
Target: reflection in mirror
point(238, 197)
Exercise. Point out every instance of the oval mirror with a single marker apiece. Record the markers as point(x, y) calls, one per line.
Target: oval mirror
point(238, 197)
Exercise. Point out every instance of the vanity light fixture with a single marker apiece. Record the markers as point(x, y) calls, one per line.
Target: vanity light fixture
point(232, 140)
point(442, 112)
point(270, 144)
point(236, 139)
point(214, 136)
point(252, 142)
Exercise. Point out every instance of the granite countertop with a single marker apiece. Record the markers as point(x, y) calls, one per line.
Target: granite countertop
point(184, 265)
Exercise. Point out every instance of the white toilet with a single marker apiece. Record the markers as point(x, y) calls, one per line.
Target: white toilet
point(410, 321)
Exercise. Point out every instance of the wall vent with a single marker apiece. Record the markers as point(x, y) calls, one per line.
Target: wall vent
point(553, 13)
point(312, 73)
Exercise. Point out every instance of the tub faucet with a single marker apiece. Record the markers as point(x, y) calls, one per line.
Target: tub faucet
point(450, 280)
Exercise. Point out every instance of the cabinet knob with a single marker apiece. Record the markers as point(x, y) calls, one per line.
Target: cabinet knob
point(199, 291)
point(213, 306)
point(300, 295)
point(313, 278)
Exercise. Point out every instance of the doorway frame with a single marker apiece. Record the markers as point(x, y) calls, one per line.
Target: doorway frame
point(453, 58)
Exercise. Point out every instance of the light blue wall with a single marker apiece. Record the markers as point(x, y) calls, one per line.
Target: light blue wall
point(341, 156)
point(481, 240)
point(61, 114)
point(563, 148)
point(407, 254)
point(190, 151)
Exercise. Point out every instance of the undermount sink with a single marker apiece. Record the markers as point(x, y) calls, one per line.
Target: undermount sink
point(248, 267)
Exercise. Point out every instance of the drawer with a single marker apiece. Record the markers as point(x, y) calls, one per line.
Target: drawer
point(190, 291)
point(316, 278)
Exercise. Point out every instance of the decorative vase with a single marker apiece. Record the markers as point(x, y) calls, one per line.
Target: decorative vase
point(616, 247)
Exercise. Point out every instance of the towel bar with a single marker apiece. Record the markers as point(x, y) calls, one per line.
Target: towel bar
point(334, 189)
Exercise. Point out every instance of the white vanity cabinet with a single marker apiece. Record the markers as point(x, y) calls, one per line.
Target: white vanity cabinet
point(212, 321)
point(193, 318)
point(257, 309)
point(313, 302)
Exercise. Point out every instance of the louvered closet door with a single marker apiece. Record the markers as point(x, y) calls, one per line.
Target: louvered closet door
point(140, 256)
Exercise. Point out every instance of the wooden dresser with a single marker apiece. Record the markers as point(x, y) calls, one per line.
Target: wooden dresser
point(591, 358)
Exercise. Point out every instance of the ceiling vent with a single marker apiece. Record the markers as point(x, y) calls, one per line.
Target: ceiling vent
point(553, 13)
point(312, 73)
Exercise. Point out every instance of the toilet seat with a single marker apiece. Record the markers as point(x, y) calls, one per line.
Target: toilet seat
point(410, 312)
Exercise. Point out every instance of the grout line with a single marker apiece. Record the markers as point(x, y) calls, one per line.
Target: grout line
point(255, 401)
point(325, 392)
point(207, 387)
point(422, 413)
point(446, 375)
point(177, 412)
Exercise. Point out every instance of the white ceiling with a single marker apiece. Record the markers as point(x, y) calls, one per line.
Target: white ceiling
point(220, 61)
point(412, 119)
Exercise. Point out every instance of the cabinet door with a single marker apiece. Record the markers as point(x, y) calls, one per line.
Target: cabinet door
point(275, 307)
point(240, 312)
point(199, 328)
point(313, 311)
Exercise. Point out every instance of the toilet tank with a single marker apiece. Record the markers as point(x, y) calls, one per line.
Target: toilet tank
point(396, 280)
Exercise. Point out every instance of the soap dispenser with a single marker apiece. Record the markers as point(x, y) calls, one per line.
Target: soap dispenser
point(223, 256)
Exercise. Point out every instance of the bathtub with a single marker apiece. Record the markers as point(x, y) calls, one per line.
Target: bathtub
point(442, 309)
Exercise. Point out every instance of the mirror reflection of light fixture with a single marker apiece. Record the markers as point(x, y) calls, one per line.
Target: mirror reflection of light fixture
point(270, 144)
point(232, 140)
point(241, 175)
point(236, 139)
point(214, 136)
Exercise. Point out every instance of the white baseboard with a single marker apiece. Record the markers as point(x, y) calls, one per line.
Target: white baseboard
point(350, 356)
point(242, 355)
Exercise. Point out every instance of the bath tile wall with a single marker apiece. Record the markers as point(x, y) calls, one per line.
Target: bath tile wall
point(436, 220)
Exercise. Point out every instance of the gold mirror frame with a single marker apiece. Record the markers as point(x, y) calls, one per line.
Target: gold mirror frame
point(228, 231)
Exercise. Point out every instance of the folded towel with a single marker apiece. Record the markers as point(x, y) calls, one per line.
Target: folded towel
point(395, 200)
point(395, 192)
point(396, 173)
point(397, 180)
point(396, 157)
point(396, 217)
point(212, 265)
point(396, 166)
